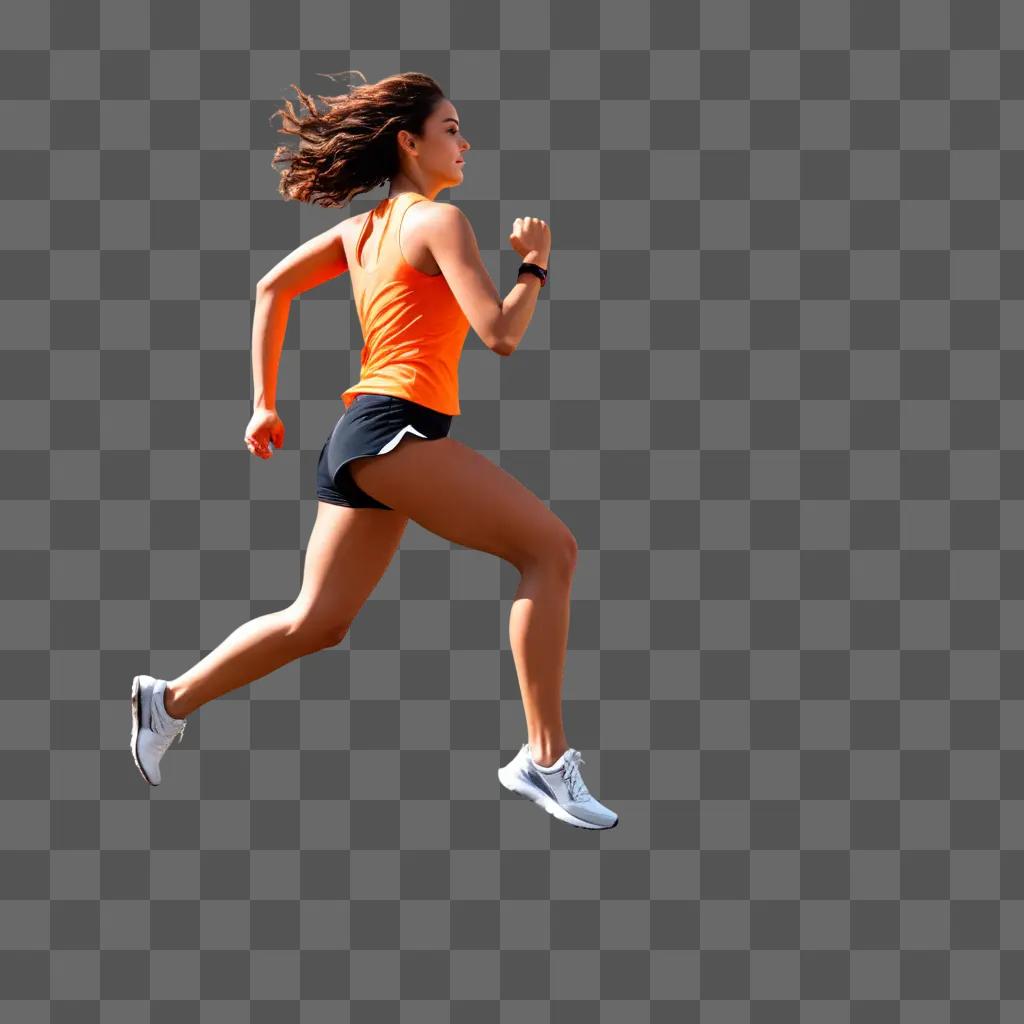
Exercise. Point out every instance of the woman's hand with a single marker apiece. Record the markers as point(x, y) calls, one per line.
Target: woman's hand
point(530, 234)
point(264, 427)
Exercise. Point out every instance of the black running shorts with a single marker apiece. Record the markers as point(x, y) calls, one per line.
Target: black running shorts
point(371, 425)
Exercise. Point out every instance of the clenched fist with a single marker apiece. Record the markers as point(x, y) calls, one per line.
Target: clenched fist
point(530, 234)
point(264, 427)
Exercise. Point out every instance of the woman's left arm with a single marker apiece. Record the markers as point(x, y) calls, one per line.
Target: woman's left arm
point(312, 263)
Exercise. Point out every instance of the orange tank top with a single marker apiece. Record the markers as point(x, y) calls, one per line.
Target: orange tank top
point(413, 327)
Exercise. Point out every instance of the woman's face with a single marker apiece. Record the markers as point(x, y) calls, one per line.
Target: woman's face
point(442, 146)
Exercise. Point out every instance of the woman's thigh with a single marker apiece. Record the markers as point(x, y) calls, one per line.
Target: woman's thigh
point(459, 494)
point(349, 550)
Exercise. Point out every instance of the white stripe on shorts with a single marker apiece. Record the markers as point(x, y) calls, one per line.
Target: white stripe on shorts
point(398, 437)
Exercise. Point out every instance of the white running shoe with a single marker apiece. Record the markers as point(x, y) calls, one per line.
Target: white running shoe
point(153, 729)
point(558, 788)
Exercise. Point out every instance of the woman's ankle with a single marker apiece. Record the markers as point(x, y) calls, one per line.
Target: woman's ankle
point(547, 754)
point(170, 703)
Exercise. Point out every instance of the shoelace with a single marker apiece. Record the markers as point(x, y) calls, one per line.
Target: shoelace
point(166, 739)
point(573, 779)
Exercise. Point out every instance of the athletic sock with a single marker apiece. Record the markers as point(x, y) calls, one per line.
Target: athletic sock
point(550, 767)
point(161, 719)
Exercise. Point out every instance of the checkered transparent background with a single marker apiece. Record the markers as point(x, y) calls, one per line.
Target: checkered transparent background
point(775, 386)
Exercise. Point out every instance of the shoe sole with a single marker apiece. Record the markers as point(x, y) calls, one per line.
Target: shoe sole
point(510, 781)
point(136, 725)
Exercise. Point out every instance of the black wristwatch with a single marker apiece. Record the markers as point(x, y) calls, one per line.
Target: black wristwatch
point(532, 268)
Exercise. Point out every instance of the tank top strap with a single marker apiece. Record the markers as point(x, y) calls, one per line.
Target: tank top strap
point(387, 243)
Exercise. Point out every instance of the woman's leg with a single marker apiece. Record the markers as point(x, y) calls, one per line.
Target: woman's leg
point(349, 549)
point(459, 494)
point(538, 631)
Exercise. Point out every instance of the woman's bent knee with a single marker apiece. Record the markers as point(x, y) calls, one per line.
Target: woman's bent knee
point(315, 631)
point(559, 555)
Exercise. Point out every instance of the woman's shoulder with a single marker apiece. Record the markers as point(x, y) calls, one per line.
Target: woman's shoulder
point(419, 227)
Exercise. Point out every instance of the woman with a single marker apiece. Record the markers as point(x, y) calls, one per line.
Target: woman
point(419, 284)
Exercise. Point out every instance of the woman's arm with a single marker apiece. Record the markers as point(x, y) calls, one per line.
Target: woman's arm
point(500, 323)
point(269, 324)
point(312, 263)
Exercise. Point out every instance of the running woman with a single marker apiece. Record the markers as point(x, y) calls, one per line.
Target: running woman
point(419, 284)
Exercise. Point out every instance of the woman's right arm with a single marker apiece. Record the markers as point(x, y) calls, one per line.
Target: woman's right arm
point(500, 324)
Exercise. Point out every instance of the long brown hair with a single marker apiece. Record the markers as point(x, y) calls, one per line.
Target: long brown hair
point(351, 147)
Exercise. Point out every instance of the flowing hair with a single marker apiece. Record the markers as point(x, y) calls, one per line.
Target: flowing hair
point(351, 147)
